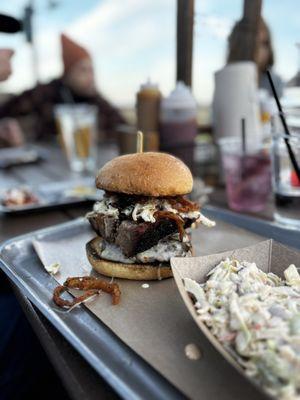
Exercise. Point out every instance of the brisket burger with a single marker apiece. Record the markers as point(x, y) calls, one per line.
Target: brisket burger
point(142, 219)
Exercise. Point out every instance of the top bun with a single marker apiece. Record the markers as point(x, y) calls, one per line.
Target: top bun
point(147, 174)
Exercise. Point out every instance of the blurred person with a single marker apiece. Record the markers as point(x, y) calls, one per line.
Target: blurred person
point(23, 361)
point(5, 63)
point(264, 54)
point(76, 85)
point(10, 131)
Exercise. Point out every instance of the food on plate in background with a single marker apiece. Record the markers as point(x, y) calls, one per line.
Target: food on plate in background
point(142, 219)
point(18, 197)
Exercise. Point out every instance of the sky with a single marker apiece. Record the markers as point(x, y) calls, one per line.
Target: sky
point(133, 40)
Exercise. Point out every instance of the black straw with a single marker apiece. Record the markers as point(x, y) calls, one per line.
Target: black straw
point(244, 136)
point(285, 127)
point(243, 133)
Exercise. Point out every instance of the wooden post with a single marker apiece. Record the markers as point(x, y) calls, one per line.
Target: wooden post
point(184, 54)
point(250, 25)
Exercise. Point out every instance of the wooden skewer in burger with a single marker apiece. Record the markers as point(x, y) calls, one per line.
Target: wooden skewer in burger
point(142, 219)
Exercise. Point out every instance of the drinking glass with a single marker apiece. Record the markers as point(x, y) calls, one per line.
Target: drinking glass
point(286, 185)
point(247, 175)
point(77, 126)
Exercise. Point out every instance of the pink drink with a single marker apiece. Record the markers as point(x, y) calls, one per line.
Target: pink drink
point(248, 180)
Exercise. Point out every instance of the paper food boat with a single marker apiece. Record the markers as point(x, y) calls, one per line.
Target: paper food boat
point(268, 255)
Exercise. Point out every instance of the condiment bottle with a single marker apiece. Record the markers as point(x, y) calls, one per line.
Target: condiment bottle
point(147, 108)
point(178, 124)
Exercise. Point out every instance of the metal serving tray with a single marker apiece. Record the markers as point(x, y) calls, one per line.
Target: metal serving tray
point(272, 230)
point(30, 154)
point(53, 195)
point(121, 366)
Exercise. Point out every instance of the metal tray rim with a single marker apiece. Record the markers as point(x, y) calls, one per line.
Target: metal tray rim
point(46, 206)
point(268, 229)
point(51, 204)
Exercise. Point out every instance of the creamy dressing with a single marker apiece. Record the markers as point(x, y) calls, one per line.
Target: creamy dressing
point(161, 252)
point(103, 207)
point(191, 214)
point(145, 285)
point(146, 211)
point(205, 221)
point(192, 351)
point(113, 253)
point(17, 196)
point(128, 210)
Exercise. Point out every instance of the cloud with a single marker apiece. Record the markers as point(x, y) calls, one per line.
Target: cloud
point(216, 26)
point(129, 43)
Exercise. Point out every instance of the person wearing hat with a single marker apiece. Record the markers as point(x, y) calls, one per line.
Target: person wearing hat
point(76, 85)
point(264, 57)
point(10, 132)
point(23, 361)
point(5, 63)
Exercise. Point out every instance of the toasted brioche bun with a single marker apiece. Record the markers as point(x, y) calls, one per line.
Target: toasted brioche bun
point(147, 174)
point(139, 272)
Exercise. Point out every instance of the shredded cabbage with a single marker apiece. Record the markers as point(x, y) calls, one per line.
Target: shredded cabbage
point(256, 316)
point(146, 210)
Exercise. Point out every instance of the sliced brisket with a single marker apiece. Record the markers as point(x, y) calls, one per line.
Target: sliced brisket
point(104, 225)
point(133, 237)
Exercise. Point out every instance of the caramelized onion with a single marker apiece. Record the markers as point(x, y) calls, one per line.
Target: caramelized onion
point(174, 217)
point(181, 204)
point(90, 285)
point(59, 290)
point(91, 282)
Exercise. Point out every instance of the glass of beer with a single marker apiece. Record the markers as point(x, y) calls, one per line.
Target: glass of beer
point(77, 126)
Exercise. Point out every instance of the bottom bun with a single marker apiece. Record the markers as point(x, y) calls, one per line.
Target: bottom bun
point(138, 272)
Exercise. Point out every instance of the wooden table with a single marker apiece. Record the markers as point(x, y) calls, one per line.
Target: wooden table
point(79, 379)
